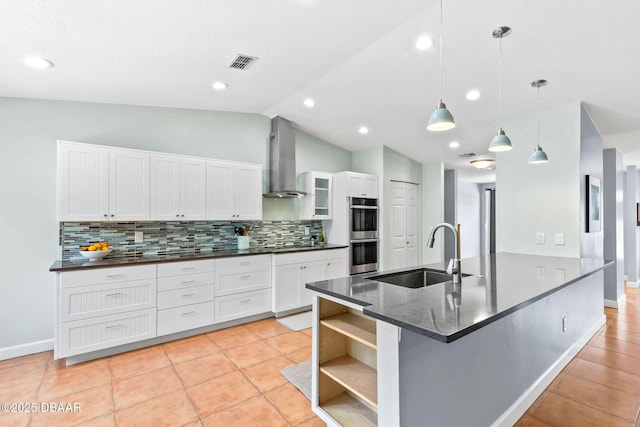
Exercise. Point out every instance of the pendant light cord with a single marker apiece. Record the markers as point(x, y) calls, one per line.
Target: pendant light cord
point(440, 50)
point(538, 116)
point(500, 83)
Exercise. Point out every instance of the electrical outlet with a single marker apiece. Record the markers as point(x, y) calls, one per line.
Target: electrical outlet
point(541, 273)
point(559, 238)
point(540, 238)
point(138, 237)
point(306, 231)
point(560, 275)
point(564, 324)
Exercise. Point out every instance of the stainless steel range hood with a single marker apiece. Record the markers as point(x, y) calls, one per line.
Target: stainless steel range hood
point(282, 160)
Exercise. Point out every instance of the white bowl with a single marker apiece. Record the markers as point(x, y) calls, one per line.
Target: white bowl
point(94, 255)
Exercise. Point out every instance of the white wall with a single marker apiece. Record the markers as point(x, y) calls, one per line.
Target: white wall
point(468, 208)
point(28, 132)
point(540, 198)
point(631, 232)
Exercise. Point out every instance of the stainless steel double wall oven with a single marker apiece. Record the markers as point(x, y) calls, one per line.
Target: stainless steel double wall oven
point(363, 239)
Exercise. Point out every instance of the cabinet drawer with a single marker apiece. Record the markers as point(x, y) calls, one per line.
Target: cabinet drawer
point(106, 275)
point(230, 282)
point(185, 267)
point(184, 318)
point(185, 281)
point(93, 334)
point(83, 302)
point(242, 305)
point(243, 262)
point(186, 296)
point(301, 257)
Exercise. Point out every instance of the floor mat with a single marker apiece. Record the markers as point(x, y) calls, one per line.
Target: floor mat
point(300, 376)
point(296, 322)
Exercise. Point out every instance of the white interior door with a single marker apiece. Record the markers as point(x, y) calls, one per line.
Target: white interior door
point(404, 225)
point(411, 225)
point(398, 225)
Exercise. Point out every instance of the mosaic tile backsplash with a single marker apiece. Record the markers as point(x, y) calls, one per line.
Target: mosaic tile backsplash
point(170, 238)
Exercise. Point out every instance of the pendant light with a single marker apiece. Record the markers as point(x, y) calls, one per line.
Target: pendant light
point(538, 156)
point(441, 119)
point(500, 142)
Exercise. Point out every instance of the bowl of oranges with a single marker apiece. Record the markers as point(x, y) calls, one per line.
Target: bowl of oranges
point(95, 251)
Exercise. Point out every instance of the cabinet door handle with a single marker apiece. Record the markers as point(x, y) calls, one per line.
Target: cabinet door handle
point(114, 276)
point(177, 215)
point(245, 276)
point(244, 301)
point(112, 215)
point(328, 263)
point(187, 268)
point(245, 263)
point(182, 216)
point(186, 282)
point(188, 295)
point(189, 313)
point(114, 295)
point(114, 326)
point(105, 215)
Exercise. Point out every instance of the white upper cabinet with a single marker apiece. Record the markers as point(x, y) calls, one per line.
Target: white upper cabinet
point(83, 182)
point(317, 203)
point(234, 191)
point(362, 185)
point(98, 183)
point(178, 188)
point(128, 185)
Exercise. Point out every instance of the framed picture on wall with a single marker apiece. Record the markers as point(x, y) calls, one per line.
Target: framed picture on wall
point(594, 204)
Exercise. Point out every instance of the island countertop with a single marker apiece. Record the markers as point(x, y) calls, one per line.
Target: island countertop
point(80, 264)
point(497, 286)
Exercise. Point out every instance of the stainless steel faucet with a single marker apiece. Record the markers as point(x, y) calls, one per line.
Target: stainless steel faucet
point(454, 266)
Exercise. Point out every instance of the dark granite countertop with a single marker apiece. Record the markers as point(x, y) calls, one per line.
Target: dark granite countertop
point(79, 264)
point(497, 286)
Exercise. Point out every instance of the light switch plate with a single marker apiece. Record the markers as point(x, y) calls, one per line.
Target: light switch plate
point(306, 231)
point(559, 238)
point(560, 275)
point(540, 238)
point(138, 237)
point(541, 273)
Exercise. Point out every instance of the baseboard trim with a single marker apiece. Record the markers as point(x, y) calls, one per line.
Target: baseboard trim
point(616, 304)
point(25, 349)
point(526, 399)
point(633, 284)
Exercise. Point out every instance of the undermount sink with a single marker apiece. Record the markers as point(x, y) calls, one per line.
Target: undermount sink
point(415, 278)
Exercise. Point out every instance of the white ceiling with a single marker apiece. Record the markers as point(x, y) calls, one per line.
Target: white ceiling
point(356, 58)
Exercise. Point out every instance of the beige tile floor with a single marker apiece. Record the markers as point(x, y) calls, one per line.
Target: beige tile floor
point(232, 377)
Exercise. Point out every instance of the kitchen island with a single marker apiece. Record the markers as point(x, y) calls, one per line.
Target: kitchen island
point(478, 353)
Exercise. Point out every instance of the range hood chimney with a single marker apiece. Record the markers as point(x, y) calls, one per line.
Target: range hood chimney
point(282, 160)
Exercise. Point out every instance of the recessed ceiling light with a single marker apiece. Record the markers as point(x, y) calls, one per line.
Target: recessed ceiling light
point(309, 102)
point(363, 130)
point(483, 163)
point(219, 86)
point(473, 94)
point(35, 62)
point(424, 43)
point(454, 144)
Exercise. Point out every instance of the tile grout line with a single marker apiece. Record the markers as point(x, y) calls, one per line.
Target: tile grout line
point(184, 387)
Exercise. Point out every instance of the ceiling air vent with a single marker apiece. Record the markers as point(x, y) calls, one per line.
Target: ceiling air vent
point(467, 155)
point(242, 62)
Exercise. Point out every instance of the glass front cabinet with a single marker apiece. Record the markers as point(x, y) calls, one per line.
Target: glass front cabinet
point(317, 203)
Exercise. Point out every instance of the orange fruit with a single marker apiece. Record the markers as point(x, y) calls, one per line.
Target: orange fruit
point(92, 248)
point(104, 245)
point(84, 248)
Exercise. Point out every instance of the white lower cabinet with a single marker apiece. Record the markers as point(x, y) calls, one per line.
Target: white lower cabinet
point(231, 307)
point(97, 333)
point(102, 308)
point(185, 295)
point(243, 287)
point(291, 272)
point(185, 317)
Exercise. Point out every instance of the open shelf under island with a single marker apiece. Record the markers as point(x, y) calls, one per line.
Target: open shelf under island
point(478, 353)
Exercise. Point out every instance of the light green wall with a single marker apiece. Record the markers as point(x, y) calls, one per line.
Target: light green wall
point(28, 132)
point(432, 204)
point(545, 197)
